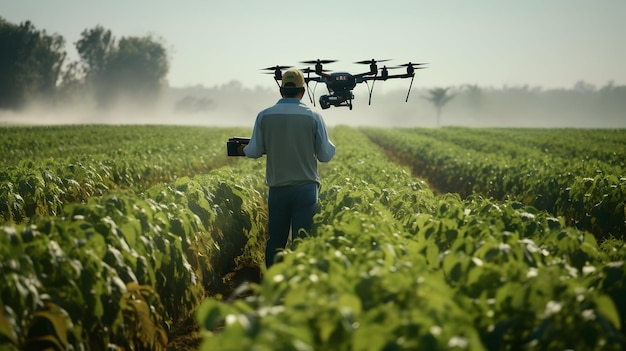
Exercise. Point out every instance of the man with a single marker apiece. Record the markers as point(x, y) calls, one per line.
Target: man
point(294, 138)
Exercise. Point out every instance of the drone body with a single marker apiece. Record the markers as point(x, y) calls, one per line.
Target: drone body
point(341, 84)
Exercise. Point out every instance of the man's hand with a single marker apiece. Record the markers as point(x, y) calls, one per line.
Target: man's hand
point(240, 149)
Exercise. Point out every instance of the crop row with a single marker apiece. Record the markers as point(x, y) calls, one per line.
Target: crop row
point(50, 167)
point(120, 269)
point(148, 142)
point(391, 266)
point(578, 145)
point(388, 265)
point(589, 194)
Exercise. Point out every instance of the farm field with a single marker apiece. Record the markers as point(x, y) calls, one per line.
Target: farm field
point(426, 239)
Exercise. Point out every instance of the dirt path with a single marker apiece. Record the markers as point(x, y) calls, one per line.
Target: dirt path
point(185, 335)
point(416, 167)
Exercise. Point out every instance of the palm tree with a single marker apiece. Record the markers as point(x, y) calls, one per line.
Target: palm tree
point(439, 97)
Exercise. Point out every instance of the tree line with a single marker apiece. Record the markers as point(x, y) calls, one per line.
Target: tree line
point(34, 66)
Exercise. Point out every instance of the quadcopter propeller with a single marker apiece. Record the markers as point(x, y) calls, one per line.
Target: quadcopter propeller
point(404, 66)
point(367, 62)
point(318, 61)
point(275, 68)
point(276, 71)
point(309, 70)
point(413, 64)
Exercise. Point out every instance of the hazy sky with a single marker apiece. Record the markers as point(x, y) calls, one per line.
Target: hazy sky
point(548, 43)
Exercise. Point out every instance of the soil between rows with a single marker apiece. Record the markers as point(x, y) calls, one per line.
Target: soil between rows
point(185, 334)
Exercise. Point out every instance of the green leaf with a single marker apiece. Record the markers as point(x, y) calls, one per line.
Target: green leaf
point(432, 255)
point(211, 314)
point(606, 307)
point(7, 333)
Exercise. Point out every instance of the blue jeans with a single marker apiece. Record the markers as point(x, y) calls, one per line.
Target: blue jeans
point(289, 207)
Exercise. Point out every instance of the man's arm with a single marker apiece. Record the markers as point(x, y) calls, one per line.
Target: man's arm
point(324, 148)
point(255, 147)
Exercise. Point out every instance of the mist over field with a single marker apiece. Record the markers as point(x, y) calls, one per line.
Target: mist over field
point(113, 79)
point(232, 104)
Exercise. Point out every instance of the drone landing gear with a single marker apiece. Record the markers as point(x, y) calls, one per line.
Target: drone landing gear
point(370, 90)
point(409, 92)
point(312, 98)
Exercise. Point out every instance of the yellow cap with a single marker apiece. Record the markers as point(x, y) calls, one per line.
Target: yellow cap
point(292, 78)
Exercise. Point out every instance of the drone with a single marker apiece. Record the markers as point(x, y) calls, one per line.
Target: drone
point(341, 84)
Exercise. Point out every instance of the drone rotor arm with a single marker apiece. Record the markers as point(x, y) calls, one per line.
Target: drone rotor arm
point(314, 79)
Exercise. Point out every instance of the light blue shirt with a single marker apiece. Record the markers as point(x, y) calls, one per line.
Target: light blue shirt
point(294, 137)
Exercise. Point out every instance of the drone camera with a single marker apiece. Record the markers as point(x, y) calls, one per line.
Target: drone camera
point(338, 99)
point(325, 101)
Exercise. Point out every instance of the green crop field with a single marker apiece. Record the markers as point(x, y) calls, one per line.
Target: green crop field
point(113, 237)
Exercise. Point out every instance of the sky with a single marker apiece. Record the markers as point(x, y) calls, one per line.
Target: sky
point(489, 43)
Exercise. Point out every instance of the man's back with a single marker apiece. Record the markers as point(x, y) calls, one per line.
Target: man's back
point(294, 139)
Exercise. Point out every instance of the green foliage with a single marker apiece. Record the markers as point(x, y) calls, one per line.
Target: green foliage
point(133, 68)
point(89, 262)
point(30, 63)
point(124, 266)
point(388, 265)
point(139, 67)
point(444, 273)
point(570, 173)
point(50, 167)
point(94, 46)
